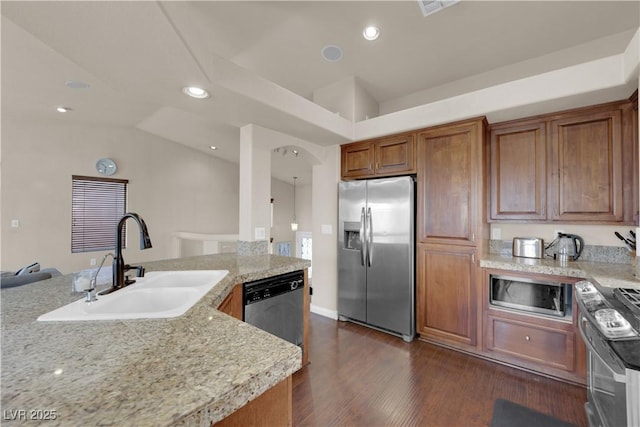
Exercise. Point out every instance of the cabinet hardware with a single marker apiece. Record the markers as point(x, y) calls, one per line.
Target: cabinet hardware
point(527, 338)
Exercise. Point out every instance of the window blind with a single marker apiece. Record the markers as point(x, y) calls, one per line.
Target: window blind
point(97, 204)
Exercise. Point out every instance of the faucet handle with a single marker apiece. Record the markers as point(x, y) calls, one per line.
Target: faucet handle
point(140, 270)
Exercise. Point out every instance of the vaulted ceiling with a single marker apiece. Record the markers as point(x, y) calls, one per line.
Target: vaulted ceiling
point(262, 60)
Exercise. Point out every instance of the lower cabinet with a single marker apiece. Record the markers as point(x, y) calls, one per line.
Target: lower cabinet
point(454, 310)
point(538, 343)
point(545, 345)
point(446, 294)
point(274, 407)
point(232, 304)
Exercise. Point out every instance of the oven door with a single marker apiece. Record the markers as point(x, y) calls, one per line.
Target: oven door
point(606, 380)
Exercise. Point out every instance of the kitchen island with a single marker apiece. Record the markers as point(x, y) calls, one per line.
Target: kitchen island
point(195, 369)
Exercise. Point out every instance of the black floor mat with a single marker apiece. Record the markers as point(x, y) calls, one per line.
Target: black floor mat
point(509, 414)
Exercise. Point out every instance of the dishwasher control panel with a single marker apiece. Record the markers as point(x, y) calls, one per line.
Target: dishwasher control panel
point(270, 287)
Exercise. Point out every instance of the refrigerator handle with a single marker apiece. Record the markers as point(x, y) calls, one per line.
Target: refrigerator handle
point(369, 237)
point(363, 246)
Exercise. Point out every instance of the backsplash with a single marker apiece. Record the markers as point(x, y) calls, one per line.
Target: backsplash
point(592, 253)
point(259, 247)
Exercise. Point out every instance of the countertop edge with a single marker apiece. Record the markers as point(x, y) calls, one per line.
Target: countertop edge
point(605, 274)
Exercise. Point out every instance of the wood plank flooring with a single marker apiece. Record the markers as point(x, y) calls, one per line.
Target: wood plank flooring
point(362, 377)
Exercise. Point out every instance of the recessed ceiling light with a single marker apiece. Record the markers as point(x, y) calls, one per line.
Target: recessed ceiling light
point(195, 92)
point(213, 147)
point(332, 53)
point(371, 32)
point(63, 109)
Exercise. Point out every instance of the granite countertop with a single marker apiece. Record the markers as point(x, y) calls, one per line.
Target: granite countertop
point(190, 370)
point(606, 274)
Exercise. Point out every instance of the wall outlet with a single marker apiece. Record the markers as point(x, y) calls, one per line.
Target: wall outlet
point(260, 233)
point(92, 262)
point(15, 223)
point(326, 229)
point(496, 233)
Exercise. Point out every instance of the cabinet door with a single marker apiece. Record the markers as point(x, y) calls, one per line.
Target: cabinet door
point(395, 155)
point(446, 293)
point(449, 183)
point(357, 160)
point(541, 345)
point(586, 167)
point(518, 175)
point(232, 304)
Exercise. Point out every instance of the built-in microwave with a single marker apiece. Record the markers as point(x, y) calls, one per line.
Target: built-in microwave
point(534, 296)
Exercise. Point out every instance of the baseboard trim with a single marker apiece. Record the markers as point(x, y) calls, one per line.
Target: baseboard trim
point(331, 314)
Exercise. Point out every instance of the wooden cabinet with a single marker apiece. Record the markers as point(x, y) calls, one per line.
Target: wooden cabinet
point(393, 155)
point(550, 346)
point(586, 167)
point(274, 407)
point(573, 166)
point(451, 231)
point(450, 183)
point(446, 303)
point(524, 339)
point(232, 304)
point(518, 171)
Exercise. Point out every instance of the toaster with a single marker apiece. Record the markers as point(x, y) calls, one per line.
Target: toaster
point(528, 247)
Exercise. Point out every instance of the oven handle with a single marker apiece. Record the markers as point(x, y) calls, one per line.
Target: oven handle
point(617, 376)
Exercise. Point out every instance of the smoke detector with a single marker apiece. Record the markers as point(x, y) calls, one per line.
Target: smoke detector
point(430, 7)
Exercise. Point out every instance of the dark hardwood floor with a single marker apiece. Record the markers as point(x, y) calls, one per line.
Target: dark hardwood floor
point(362, 377)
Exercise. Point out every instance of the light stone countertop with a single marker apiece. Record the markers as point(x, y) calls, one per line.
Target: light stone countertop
point(606, 274)
point(189, 371)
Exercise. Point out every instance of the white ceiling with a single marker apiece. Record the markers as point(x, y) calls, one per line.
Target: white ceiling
point(262, 60)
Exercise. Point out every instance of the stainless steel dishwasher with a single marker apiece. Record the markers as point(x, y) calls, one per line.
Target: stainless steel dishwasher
point(275, 304)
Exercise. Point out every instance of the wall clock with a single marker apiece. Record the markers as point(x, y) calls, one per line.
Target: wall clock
point(106, 167)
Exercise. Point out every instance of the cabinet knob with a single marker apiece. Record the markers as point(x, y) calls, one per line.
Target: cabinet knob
point(527, 338)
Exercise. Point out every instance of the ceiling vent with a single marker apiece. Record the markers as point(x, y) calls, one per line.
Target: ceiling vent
point(430, 7)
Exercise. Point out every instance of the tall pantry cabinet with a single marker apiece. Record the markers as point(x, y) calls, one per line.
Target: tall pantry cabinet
point(452, 233)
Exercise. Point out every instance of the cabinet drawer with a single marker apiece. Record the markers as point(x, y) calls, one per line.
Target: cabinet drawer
point(532, 343)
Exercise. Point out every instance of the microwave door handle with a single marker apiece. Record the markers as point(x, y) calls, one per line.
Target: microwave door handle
point(363, 249)
point(370, 237)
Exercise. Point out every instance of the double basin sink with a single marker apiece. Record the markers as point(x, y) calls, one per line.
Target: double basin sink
point(160, 294)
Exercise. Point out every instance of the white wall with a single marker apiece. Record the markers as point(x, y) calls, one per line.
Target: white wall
point(282, 194)
point(174, 188)
point(325, 214)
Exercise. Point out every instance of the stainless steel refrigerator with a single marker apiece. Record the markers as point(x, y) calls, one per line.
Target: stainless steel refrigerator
point(376, 279)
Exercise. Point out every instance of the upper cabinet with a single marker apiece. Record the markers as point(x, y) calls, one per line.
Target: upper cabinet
point(450, 183)
point(585, 159)
point(393, 155)
point(518, 171)
point(575, 166)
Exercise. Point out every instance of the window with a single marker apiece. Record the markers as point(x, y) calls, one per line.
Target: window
point(97, 204)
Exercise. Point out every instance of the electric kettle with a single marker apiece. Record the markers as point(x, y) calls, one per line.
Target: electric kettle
point(569, 246)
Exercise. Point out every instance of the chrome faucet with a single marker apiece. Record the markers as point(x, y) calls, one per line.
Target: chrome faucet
point(119, 267)
point(91, 292)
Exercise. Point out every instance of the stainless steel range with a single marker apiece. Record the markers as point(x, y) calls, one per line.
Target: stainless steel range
point(610, 326)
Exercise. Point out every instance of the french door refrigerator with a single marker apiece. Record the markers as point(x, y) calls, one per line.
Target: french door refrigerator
point(376, 279)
